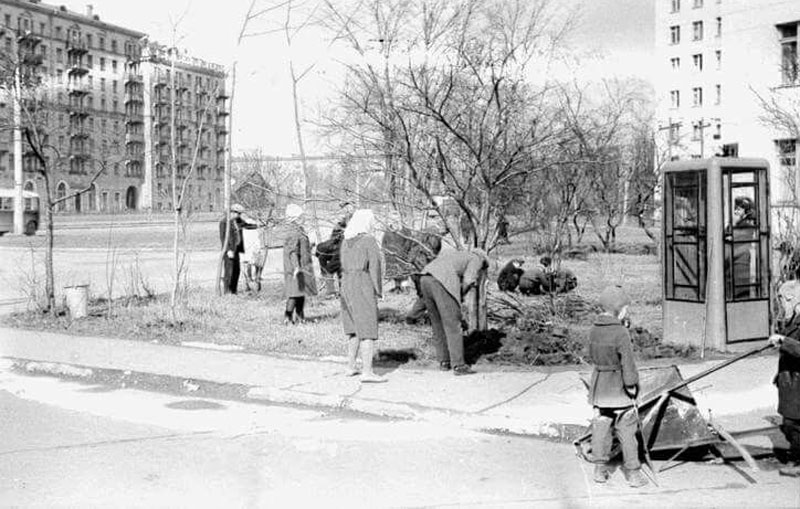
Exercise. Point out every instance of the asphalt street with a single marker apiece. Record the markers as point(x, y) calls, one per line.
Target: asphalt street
point(88, 445)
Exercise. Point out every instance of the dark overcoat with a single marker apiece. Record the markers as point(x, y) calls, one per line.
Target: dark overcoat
point(611, 353)
point(788, 378)
point(297, 253)
point(457, 271)
point(362, 285)
point(235, 239)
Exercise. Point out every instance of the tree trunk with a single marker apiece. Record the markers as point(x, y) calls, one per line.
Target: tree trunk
point(48, 257)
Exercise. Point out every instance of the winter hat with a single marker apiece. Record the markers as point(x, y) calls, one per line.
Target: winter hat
point(237, 208)
point(613, 299)
point(293, 212)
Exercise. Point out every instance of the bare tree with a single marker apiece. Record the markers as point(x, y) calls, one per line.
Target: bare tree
point(57, 141)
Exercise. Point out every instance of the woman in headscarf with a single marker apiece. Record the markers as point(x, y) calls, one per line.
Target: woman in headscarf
point(362, 285)
point(298, 270)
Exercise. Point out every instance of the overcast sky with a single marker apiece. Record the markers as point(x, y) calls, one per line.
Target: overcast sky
point(618, 33)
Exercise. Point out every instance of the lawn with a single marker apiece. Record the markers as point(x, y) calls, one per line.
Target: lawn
point(254, 321)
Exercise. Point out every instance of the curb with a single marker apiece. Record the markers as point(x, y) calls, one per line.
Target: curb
point(479, 423)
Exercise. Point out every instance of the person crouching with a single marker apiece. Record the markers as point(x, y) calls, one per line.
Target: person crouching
point(614, 385)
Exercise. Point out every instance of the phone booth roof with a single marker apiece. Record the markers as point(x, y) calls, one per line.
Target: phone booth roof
point(704, 164)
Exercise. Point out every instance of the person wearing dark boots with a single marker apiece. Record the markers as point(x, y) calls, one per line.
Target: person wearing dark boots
point(298, 270)
point(788, 377)
point(444, 283)
point(234, 247)
point(613, 389)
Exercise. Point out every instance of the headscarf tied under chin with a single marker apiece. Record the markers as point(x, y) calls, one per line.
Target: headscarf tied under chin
point(363, 221)
point(293, 213)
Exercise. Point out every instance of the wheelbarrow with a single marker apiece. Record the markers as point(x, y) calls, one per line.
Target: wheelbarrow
point(669, 420)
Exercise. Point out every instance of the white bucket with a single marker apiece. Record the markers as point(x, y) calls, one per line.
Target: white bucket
point(77, 298)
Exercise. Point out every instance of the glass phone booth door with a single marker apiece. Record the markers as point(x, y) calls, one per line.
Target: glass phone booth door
point(745, 200)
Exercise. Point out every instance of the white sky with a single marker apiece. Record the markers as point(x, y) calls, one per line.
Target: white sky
point(611, 35)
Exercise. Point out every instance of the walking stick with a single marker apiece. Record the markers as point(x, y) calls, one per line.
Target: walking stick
point(640, 432)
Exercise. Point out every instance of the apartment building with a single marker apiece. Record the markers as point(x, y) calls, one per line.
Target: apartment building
point(718, 62)
point(110, 93)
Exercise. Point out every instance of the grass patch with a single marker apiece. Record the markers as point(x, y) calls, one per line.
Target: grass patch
point(535, 330)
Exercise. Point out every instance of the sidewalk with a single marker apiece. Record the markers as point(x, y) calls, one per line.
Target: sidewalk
point(543, 402)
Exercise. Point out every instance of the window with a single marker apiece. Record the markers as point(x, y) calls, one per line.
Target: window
point(60, 76)
point(41, 28)
point(718, 131)
point(89, 61)
point(719, 27)
point(718, 54)
point(697, 30)
point(675, 98)
point(675, 62)
point(114, 86)
point(697, 96)
point(789, 65)
point(787, 152)
point(59, 55)
point(102, 64)
point(674, 133)
point(89, 40)
point(102, 83)
point(114, 66)
point(114, 45)
point(101, 42)
point(676, 5)
point(675, 34)
point(697, 60)
point(685, 235)
point(8, 20)
point(718, 94)
point(745, 240)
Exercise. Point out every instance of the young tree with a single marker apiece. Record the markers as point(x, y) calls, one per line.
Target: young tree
point(57, 139)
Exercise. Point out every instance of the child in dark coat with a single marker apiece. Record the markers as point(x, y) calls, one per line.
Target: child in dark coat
point(614, 385)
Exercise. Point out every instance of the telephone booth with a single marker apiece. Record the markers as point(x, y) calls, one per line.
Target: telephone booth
point(716, 252)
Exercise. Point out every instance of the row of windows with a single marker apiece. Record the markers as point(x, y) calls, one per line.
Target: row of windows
point(26, 24)
point(697, 96)
point(697, 61)
point(696, 4)
point(697, 31)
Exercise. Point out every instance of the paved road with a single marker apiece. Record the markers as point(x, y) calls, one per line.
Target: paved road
point(68, 444)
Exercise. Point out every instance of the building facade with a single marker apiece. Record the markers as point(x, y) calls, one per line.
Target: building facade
point(109, 99)
point(719, 63)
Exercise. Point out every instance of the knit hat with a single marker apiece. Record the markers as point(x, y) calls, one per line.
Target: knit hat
point(613, 299)
point(293, 212)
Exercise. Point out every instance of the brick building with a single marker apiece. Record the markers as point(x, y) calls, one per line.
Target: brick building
point(109, 95)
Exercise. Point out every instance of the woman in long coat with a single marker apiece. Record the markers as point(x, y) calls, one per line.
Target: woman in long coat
point(298, 269)
point(362, 285)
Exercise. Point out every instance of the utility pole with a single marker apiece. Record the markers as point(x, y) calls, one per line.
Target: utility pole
point(19, 203)
point(702, 125)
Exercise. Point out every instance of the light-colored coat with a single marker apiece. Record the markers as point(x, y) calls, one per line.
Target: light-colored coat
point(362, 285)
point(611, 353)
point(457, 271)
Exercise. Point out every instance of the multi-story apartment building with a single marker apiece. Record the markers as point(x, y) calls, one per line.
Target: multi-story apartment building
point(109, 94)
point(718, 62)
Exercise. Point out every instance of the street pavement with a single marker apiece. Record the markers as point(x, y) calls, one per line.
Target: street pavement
point(544, 402)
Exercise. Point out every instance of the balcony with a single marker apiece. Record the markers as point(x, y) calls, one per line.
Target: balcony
point(222, 130)
point(80, 135)
point(77, 47)
point(79, 155)
point(222, 113)
point(222, 95)
point(134, 120)
point(160, 82)
point(78, 112)
point(134, 138)
point(32, 59)
point(77, 70)
point(78, 90)
point(133, 98)
point(28, 38)
point(132, 77)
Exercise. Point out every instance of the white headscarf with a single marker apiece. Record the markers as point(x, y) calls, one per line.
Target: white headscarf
point(363, 221)
point(293, 212)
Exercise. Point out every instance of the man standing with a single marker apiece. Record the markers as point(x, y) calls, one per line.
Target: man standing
point(234, 246)
point(788, 377)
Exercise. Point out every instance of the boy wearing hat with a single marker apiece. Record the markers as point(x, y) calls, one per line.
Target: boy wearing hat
point(788, 377)
point(614, 385)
